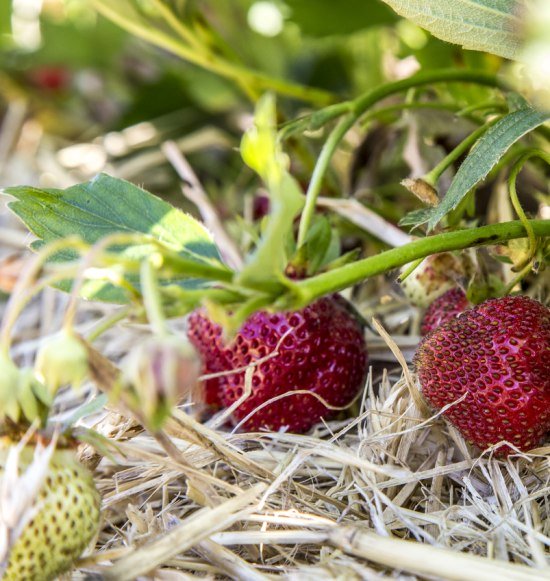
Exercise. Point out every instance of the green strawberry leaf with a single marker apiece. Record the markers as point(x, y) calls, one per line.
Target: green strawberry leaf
point(416, 217)
point(485, 155)
point(486, 25)
point(104, 206)
point(312, 254)
point(317, 244)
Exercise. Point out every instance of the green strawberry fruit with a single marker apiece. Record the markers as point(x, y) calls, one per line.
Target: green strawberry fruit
point(434, 276)
point(65, 518)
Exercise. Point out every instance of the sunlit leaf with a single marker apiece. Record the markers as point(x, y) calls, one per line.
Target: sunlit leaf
point(492, 26)
point(485, 155)
point(104, 206)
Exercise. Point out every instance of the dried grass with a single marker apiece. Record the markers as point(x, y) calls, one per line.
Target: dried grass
point(386, 493)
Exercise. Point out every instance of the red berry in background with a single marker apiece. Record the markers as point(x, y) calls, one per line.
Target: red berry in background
point(50, 78)
point(206, 337)
point(446, 307)
point(322, 350)
point(260, 206)
point(498, 355)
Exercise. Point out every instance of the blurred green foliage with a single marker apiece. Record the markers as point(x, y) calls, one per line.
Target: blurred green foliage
point(345, 47)
point(87, 77)
point(327, 18)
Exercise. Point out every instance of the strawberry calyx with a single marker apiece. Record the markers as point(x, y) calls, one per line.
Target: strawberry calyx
point(23, 398)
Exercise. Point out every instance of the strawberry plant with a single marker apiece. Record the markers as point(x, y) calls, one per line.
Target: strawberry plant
point(351, 199)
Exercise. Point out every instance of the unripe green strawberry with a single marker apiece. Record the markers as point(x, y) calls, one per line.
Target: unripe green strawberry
point(65, 518)
point(62, 360)
point(434, 276)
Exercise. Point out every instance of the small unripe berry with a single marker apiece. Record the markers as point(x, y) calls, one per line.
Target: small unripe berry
point(61, 361)
point(159, 373)
point(434, 276)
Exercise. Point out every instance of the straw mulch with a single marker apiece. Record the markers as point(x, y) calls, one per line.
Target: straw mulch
point(389, 492)
point(386, 491)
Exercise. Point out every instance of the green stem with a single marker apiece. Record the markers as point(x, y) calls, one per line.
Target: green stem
point(346, 276)
point(358, 107)
point(152, 299)
point(433, 176)
point(522, 274)
point(25, 299)
point(319, 171)
point(107, 323)
point(179, 27)
point(516, 168)
point(398, 107)
point(179, 301)
point(27, 283)
point(410, 269)
point(211, 62)
point(364, 102)
point(169, 259)
point(193, 269)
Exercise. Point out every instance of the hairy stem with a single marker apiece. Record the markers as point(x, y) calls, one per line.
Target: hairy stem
point(433, 176)
point(348, 275)
point(152, 299)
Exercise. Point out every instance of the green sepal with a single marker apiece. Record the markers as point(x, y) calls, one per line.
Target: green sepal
point(33, 397)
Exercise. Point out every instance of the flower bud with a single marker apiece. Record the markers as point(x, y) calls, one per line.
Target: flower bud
point(62, 360)
point(160, 372)
point(9, 384)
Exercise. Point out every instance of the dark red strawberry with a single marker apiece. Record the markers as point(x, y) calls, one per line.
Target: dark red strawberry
point(206, 337)
point(321, 349)
point(260, 207)
point(443, 309)
point(50, 78)
point(498, 355)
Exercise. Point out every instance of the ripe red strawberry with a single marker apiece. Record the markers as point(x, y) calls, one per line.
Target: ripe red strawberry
point(206, 337)
point(443, 309)
point(498, 354)
point(323, 351)
point(50, 78)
